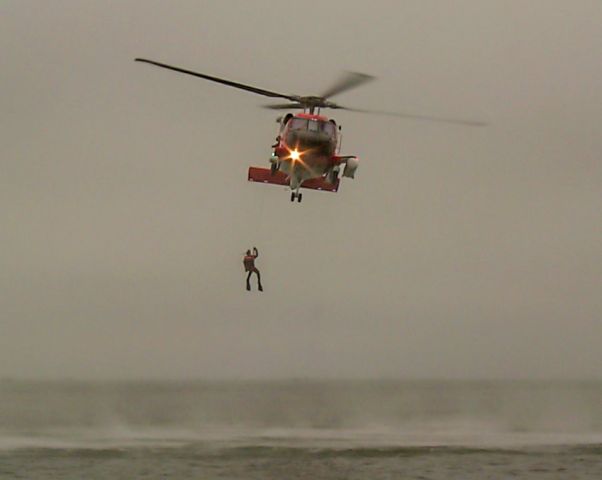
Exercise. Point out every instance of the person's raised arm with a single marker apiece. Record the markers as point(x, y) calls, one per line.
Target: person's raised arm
point(255, 252)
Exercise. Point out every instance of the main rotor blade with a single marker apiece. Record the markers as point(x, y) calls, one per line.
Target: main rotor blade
point(284, 106)
point(223, 81)
point(348, 81)
point(412, 116)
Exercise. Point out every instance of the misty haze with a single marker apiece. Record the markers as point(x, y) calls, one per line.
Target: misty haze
point(446, 299)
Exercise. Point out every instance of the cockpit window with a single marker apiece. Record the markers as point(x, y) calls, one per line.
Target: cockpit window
point(329, 128)
point(313, 126)
point(299, 124)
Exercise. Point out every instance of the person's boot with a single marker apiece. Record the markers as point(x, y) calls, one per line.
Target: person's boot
point(248, 286)
point(260, 288)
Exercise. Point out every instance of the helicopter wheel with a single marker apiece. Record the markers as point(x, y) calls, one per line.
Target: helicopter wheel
point(299, 197)
point(293, 195)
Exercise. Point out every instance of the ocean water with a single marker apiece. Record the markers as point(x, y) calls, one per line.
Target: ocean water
point(301, 430)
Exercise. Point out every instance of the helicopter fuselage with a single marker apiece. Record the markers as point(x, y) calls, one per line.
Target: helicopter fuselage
point(305, 155)
point(306, 148)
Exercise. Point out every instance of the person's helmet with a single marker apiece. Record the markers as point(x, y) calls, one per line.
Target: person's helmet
point(248, 252)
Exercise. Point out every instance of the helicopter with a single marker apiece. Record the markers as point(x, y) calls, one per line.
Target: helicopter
point(307, 149)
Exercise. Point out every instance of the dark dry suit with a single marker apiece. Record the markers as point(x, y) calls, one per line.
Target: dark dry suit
point(249, 263)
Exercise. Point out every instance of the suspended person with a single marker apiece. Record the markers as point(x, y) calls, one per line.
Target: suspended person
point(249, 263)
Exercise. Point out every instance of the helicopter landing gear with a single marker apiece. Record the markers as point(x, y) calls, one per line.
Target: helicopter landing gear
point(333, 175)
point(296, 195)
point(274, 168)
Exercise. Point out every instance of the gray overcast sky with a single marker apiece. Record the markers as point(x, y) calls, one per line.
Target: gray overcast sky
point(456, 252)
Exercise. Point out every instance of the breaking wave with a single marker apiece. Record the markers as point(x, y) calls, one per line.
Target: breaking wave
point(325, 418)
